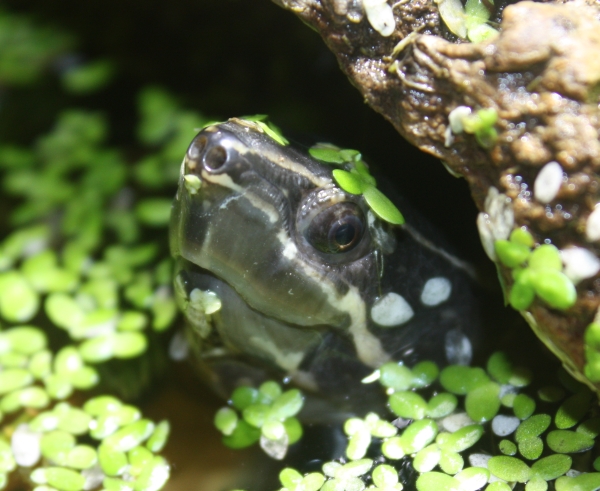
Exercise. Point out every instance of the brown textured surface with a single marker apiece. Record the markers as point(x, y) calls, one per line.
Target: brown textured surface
point(541, 74)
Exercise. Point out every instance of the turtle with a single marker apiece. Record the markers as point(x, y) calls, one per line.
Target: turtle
point(281, 273)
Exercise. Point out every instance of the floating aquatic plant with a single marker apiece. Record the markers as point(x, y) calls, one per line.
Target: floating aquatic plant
point(592, 352)
point(536, 271)
point(267, 414)
point(355, 178)
point(468, 22)
point(81, 262)
point(268, 127)
point(479, 123)
point(443, 436)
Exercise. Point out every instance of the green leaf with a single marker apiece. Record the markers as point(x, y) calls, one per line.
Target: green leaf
point(592, 336)
point(460, 379)
point(536, 484)
point(287, 404)
point(552, 466)
point(88, 78)
point(395, 376)
point(427, 458)
point(472, 478)
point(362, 170)
point(590, 427)
point(256, 414)
point(269, 390)
point(498, 486)
point(533, 427)
point(243, 397)
point(18, 301)
point(565, 441)
point(392, 448)
point(327, 153)
point(354, 469)
point(441, 405)
point(424, 374)
point(522, 236)
point(507, 447)
point(382, 206)
point(483, 403)
point(545, 256)
point(499, 367)
point(158, 438)
point(274, 132)
point(351, 183)
point(521, 295)
point(294, 430)
point(583, 482)
point(385, 476)
point(313, 481)
point(453, 15)
point(82, 457)
point(462, 439)
point(572, 410)
point(509, 468)
point(555, 288)
point(523, 406)
point(521, 377)
point(350, 155)
point(437, 481)
point(531, 448)
point(154, 212)
point(407, 404)
point(488, 116)
point(418, 435)
point(510, 253)
point(226, 420)
point(451, 462)
point(64, 479)
point(112, 461)
point(290, 478)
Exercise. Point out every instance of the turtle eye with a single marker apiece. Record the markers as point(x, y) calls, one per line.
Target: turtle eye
point(337, 229)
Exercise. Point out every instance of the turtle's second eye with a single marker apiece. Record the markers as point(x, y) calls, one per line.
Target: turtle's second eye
point(337, 229)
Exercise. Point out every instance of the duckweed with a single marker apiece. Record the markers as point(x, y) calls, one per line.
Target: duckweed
point(536, 271)
point(592, 352)
point(500, 367)
point(483, 402)
point(429, 481)
point(507, 447)
point(460, 380)
point(101, 286)
point(585, 482)
point(509, 468)
point(266, 412)
point(409, 405)
point(573, 410)
point(533, 449)
point(566, 441)
point(479, 123)
point(552, 466)
point(356, 179)
point(523, 406)
point(441, 405)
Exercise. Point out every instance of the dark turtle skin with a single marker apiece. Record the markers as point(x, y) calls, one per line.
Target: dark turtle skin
point(282, 274)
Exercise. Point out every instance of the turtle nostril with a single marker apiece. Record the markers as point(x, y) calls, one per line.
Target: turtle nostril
point(215, 158)
point(194, 152)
